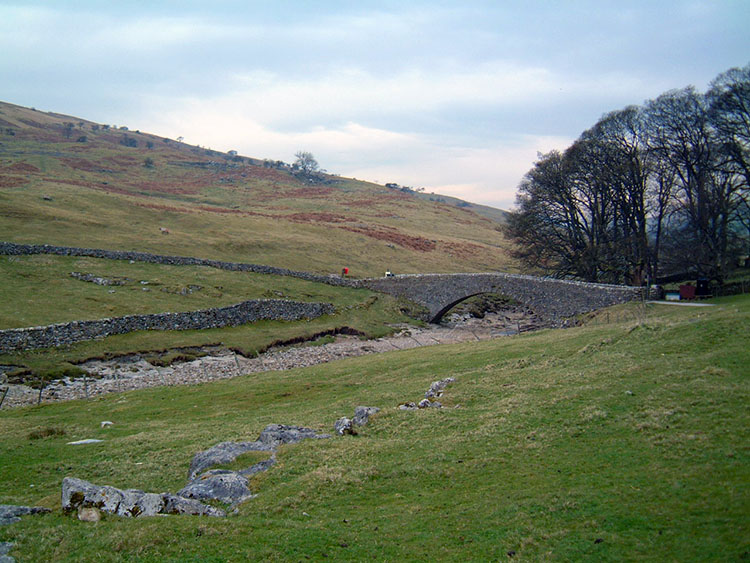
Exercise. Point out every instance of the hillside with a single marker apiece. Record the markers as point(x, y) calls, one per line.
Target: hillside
point(613, 441)
point(73, 182)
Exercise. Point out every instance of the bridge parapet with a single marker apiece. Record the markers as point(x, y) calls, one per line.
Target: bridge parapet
point(552, 298)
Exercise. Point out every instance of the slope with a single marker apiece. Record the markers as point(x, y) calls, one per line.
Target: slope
point(609, 442)
point(69, 181)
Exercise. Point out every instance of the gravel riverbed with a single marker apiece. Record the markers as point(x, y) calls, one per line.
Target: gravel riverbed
point(133, 372)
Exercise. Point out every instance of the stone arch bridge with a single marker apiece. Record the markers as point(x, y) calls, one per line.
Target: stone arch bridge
point(551, 298)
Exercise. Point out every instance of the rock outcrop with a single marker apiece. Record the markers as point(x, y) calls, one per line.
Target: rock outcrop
point(78, 494)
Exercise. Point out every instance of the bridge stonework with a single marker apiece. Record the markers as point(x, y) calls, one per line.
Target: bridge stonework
point(554, 299)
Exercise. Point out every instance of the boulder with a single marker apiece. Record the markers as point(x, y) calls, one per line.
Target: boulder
point(362, 415)
point(424, 404)
point(408, 406)
point(10, 513)
point(343, 426)
point(77, 494)
point(218, 484)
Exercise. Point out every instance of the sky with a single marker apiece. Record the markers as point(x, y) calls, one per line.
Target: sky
point(456, 97)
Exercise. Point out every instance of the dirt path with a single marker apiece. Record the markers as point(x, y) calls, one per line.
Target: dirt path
point(128, 373)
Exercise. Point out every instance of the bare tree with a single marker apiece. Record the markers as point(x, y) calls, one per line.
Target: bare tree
point(305, 163)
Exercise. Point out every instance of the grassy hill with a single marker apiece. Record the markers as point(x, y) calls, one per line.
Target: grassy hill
point(618, 440)
point(68, 181)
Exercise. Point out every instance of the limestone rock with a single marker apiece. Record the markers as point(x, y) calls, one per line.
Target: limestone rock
point(408, 406)
point(225, 452)
point(218, 484)
point(275, 435)
point(258, 467)
point(424, 404)
point(362, 415)
point(10, 513)
point(174, 504)
point(343, 426)
point(436, 388)
point(77, 494)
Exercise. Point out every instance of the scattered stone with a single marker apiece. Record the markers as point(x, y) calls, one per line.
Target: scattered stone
point(106, 423)
point(89, 514)
point(86, 441)
point(424, 404)
point(437, 387)
point(362, 415)
point(219, 484)
point(343, 426)
point(10, 514)
point(629, 393)
point(436, 405)
point(408, 406)
point(98, 280)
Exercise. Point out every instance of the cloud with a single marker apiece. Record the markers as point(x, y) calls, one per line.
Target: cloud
point(452, 96)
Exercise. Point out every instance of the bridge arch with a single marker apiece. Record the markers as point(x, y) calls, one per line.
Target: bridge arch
point(440, 314)
point(553, 299)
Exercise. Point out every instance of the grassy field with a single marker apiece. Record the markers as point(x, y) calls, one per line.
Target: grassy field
point(617, 440)
point(38, 290)
point(100, 193)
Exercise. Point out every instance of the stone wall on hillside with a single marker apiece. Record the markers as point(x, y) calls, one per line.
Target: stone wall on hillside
point(234, 315)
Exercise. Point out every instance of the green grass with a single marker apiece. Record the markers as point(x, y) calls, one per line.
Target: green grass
point(613, 441)
point(38, 290)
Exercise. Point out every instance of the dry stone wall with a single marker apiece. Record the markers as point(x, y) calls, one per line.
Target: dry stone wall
point(13, 249)
point(234, 315)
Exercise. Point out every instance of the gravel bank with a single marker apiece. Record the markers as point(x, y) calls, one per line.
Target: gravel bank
point(129, 373)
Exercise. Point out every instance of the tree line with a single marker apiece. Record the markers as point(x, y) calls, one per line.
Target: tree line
point(648, 191)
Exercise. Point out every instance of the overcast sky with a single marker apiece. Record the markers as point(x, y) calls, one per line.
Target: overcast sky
point(456, 97)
